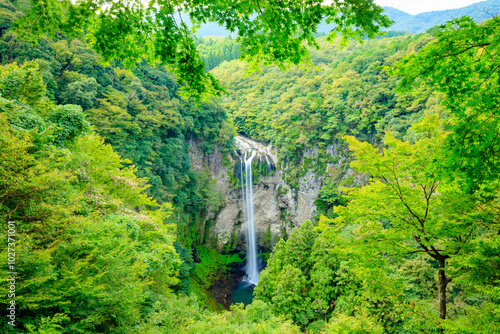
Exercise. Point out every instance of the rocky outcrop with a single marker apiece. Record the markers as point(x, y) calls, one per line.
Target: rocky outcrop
point(278, 207)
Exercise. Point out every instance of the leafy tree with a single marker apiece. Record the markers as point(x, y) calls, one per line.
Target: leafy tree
point(23, 84)
point(71, 121)
point(407, 208)
point(301, 281)
point(329, 197)
point(464, 47)
point(112, 119)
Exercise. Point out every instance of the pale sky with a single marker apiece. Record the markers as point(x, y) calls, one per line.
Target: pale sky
point(421, 6)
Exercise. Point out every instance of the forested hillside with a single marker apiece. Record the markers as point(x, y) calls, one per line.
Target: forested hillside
point(138, 111)
point(112, 175)
point(216, 50)
point(75, 204)
point(411, 242)
point(346, 91)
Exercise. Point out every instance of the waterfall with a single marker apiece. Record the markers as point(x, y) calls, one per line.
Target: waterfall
point(249, 149)
point(252, 270)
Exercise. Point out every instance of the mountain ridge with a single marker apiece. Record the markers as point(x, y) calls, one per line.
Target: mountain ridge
point(421, 22)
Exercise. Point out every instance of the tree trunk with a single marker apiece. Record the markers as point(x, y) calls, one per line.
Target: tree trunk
point(442, 283)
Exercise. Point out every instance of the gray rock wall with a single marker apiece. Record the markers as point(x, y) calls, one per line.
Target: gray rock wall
point(278, 207)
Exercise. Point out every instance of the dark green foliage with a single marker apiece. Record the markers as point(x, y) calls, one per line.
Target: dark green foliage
point(402, 254)
point(188, 265)
point(91, 248)
point(70, 121)
point(8, 15)
point(27, 120)
point(299, 282)
point(214, 51)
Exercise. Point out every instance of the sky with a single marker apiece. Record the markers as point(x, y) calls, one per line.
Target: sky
point(421, 6)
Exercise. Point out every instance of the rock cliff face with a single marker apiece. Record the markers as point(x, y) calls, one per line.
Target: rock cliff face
point(278, 206)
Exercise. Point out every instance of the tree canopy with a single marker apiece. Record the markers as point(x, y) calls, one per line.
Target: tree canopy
point(407, 208)
point(462, 63)
point(269, 32)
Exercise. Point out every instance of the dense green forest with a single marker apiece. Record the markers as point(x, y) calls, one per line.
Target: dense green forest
point(108, 219)
point(345, 91)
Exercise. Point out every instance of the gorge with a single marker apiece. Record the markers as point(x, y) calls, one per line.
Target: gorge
point(327, 193)
point(285, 193)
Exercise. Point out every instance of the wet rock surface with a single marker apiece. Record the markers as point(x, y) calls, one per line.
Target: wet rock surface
point(278, 207)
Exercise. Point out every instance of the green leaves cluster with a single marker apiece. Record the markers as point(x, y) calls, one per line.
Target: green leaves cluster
point(156, 31)
point(462, 63)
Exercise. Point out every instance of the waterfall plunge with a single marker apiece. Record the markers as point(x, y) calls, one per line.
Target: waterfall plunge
point(249, 149)
point(252, 269)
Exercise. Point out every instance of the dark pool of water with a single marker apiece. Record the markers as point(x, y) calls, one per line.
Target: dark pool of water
point(243, 293)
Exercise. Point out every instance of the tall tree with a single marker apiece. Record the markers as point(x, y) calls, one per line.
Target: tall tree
point(407, 208)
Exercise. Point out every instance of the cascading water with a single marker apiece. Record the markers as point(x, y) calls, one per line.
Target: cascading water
point(248, 150)
point(252, 270)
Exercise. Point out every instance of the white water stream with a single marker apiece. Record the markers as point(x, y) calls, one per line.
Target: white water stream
point(249, 150)
point(252, 268)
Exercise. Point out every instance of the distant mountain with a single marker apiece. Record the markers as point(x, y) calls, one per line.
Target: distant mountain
point(403, 21)
point(396, 15)
point(422, 22)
